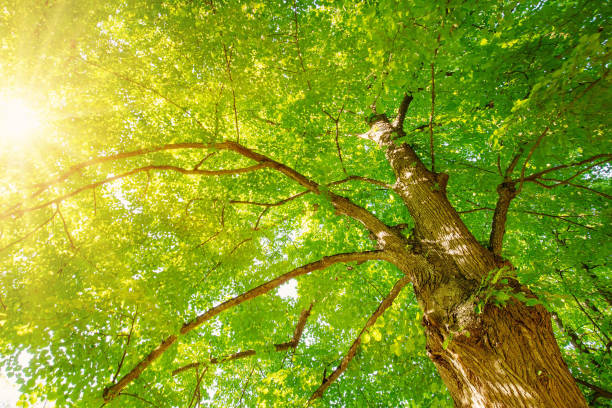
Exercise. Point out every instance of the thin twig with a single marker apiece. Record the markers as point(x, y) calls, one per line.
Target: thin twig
point(144, 169)
point(146, 88)
point(296, 36)
point(197, 386)
point(127, 343)
point(245, 386)
point(197, 166)
point(127, 394)
point(565, 182)
point(228, 62)
point(533, 148)
point(336, 120)
point(431, 117)
point(292, 344)
point(65, 227)
point(29, 234)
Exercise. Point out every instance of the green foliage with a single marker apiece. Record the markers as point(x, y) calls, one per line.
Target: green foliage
point(495, 289)
point(129, 261)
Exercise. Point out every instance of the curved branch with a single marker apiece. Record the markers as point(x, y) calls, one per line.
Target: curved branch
point(384, 305)
point(112, 391)
point(114, 157)
point(559, 217)
point(181, 170)
point(293, 197)
point(384, 234)
point(336, 120)
point(125, 349)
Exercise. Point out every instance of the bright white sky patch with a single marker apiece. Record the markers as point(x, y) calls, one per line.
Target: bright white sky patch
point(288, 290)
point(17, 121)
point(8, 393)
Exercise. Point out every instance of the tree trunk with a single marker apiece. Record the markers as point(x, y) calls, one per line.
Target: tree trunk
point(504, 356)
point(509, 359)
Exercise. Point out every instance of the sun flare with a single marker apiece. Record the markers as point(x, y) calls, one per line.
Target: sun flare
point(17, 121)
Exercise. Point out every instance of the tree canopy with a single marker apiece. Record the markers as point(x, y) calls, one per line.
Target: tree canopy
point(198, 218)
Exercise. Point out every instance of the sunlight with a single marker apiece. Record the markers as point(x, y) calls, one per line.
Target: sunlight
point(17, 121)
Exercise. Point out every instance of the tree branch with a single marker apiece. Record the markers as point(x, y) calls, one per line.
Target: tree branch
point(127, 394)
point(570, 333)
point(276, 204)
point(431, 115)
point(196, 389)
point(599, 392)
point(228, 62)
point(559, 217)
point(115, 157)
point(386, 236)
point(384, 305)
point(293, 197)
point(65, 227)
point(29, 234)
point(144, 169)
point(533, 148)
point(296, 36)
point(360, 178)
point(506, 192)
point(336, 120)
point(112, 391)
point(292, 344)
point(534, 176)
point(398, 122)
point(127, 343)
point(244, 388)
point(565, 182)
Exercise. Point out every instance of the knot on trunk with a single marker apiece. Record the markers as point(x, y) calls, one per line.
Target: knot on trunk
point(507, 189)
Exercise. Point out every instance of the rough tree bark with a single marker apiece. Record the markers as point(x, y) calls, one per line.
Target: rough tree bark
point(501, 357)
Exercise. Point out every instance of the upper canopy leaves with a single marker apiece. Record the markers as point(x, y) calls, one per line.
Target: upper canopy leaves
point(92, 283)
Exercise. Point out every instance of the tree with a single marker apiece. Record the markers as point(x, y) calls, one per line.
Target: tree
point(227, 200)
